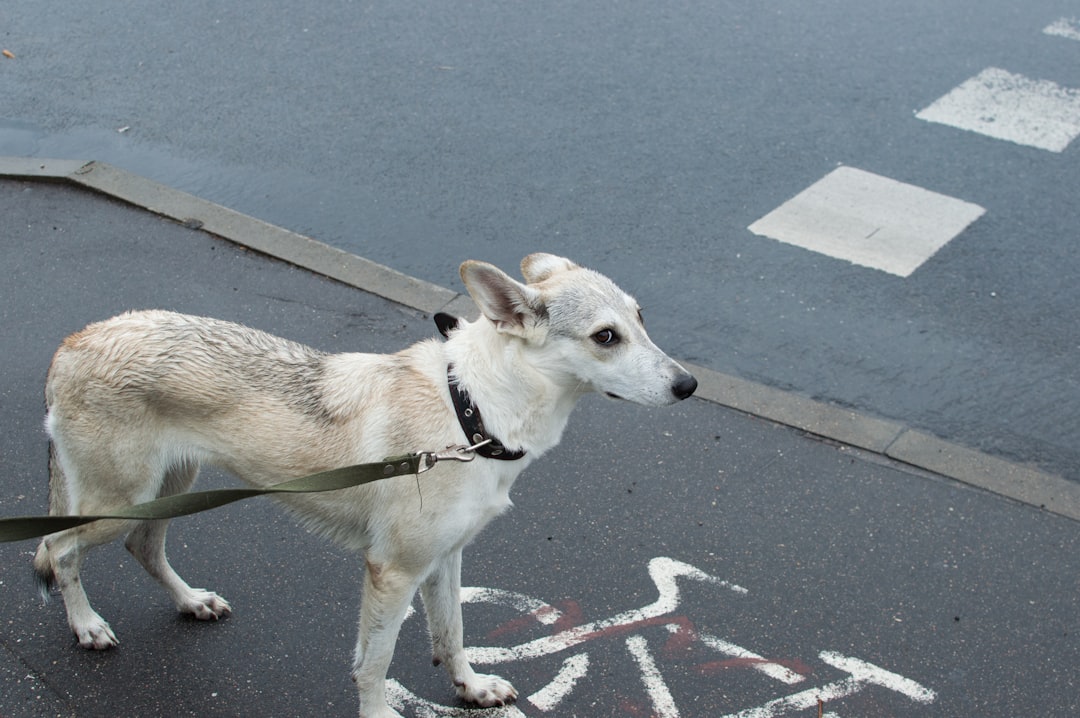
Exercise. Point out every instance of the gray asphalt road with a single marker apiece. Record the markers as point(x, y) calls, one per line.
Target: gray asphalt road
point(637, 137)
point(882, 591)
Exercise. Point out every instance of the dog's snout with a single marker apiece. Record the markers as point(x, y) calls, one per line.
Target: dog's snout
point(684, 386)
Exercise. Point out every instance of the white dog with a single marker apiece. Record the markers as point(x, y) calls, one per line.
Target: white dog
point(138, 402)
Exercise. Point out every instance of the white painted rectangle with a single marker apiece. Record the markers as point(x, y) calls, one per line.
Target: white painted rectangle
point(1005, 106)
point(869, 220)
point(1068, 27)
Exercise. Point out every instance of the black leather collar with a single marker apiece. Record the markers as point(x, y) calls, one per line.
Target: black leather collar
point(468, 414)
point(469, 417)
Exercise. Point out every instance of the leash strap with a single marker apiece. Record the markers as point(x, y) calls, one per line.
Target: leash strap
point(23, 527)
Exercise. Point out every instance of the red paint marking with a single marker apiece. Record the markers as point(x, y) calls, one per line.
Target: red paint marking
point(520, 623)
point(626, 708)
point(570, 616)
point(681, 638)
point(714, 667)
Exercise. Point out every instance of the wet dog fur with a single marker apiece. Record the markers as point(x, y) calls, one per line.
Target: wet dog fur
point(136, 403)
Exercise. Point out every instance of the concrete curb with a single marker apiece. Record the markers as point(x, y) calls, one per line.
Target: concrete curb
point(236, 227)
point(888, 439)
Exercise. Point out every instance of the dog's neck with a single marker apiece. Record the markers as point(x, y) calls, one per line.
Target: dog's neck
point(472, 423)
point(522, 405)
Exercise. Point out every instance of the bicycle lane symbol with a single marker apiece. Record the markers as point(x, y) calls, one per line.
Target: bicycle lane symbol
point(664, 573)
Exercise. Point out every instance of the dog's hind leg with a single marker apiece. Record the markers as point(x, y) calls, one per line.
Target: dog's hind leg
point(66, 552)
point(60, 556)
point(146, 543)
point(441, 592)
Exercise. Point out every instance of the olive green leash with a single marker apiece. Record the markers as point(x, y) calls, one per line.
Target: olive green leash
point(17, 528)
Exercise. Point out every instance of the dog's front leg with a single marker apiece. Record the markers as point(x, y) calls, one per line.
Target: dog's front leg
point(441, 592)
point(387, 594)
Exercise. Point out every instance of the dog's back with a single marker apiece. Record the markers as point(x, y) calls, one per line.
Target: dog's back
point(176, 367)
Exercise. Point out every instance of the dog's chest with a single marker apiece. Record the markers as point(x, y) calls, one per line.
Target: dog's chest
point(487, 492)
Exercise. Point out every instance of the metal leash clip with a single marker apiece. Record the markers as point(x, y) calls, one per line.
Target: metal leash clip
point(458, 452)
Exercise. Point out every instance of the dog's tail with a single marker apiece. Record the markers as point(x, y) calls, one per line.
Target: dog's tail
point(43, 572)
point(44, 576)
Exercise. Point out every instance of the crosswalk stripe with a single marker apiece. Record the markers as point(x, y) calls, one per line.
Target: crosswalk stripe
point(1068, 27)
point(1006, 106)
point(869, 220)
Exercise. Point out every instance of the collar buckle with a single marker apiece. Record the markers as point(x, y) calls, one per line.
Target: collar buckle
point(458, 452)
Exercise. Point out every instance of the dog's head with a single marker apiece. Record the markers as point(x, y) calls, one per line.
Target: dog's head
point(579, 329)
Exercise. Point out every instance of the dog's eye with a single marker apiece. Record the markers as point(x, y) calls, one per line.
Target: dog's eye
point(606, 337)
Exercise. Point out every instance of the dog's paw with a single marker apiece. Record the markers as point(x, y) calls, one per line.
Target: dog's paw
point(95, 634)
point(486, 690)
point(204, 605)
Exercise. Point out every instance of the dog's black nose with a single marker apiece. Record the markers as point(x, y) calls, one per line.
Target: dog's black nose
point(684, 386)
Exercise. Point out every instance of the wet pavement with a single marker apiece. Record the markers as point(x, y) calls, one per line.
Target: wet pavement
point(645, 138)
point(880, 588)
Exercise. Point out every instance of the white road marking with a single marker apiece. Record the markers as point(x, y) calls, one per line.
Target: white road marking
point(541, 611)
point(401, 698)
point(1068, 27)
point(869, 673)
point(759, 663)
point(573, 669)
point(862, 673)
point(662, 700)
point(663, 571)
point(537, 609)
point(1006, 106)
point(869, 220)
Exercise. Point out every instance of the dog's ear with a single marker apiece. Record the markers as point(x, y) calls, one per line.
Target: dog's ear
point(511, 305)
point(538, 267)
